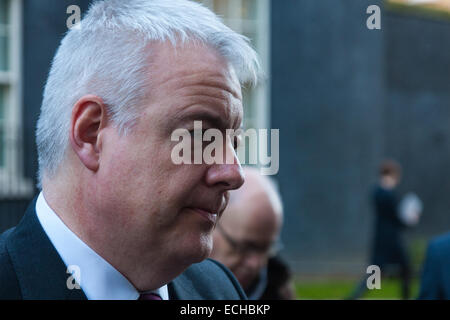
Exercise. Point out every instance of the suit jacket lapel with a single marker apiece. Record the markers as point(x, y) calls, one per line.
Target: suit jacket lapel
point(40, 270)
point(182, 288)
point(173, 294)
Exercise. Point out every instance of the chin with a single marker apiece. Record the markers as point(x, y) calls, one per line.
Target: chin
point(201, 250)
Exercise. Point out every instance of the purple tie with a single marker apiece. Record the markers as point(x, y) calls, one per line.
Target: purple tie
point(149, 296)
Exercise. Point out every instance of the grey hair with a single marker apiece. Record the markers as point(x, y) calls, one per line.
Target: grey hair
point(108, 57)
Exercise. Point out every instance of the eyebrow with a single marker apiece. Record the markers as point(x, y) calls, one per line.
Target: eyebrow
point(211, 117)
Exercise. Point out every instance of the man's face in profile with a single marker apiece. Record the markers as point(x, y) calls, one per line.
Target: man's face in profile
point(155, 204)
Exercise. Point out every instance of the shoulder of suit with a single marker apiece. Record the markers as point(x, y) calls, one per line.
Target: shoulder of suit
point(9, 285)
point(439, 248)
point(214, 280)
point(442, 242)
point(3, 237)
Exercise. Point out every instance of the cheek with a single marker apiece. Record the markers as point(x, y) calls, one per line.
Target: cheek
point(141, 171)
point(126, 175)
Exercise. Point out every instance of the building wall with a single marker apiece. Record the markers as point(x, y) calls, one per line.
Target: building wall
point(344, 97)
point(417, 114)
point(327, 100)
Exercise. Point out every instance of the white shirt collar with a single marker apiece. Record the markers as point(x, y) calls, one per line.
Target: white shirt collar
point(98, 279)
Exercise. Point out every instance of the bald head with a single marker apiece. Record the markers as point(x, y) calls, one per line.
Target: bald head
point(256, 204)
point(253, 221)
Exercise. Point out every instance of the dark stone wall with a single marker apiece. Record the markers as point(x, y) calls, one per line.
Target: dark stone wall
point(417, 113)
point(344, 97)
point(327, 78)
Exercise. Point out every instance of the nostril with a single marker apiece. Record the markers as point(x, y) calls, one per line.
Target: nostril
point(228, 176)
point(240, 182)
point(234, 182)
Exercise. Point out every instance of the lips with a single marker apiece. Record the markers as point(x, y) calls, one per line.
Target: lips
point(206, 214)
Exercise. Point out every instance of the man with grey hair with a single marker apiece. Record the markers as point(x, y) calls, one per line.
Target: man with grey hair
point(116, 218)
point(247, 236)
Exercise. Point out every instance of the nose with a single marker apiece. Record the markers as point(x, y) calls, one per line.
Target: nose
point(228, 174)
point(255, 261)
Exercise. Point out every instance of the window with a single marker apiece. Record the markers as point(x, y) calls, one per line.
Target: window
point(12, 183)
point(250, 18)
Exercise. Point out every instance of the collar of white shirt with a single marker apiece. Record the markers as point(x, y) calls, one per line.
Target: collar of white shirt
point(98, 279)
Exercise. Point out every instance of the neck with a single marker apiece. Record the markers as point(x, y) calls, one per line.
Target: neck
point(78, 207)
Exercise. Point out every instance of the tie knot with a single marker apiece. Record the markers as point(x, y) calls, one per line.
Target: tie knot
point(149, 296)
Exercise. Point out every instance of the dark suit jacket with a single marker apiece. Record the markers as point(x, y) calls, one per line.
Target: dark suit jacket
point(435, 282)
point(30, 268)
point(388, 246)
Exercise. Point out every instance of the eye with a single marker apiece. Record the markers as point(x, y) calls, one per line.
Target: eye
point(192, 133)
point(236, 141)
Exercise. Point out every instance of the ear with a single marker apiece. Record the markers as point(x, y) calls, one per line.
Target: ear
point(89, 117)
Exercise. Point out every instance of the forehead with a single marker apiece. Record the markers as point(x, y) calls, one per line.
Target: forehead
point(252, 218)
point(193, 73)
point(168, 60)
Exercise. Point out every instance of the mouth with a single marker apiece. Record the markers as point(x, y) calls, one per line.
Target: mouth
point(206, 214)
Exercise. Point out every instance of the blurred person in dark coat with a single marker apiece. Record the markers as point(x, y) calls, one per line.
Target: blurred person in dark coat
point(388, 249)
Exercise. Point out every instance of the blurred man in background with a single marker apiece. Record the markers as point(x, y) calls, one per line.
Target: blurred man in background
point(388, 250)
point(247, 237)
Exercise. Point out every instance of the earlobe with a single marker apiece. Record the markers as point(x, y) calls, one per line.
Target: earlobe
point(88, 119)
